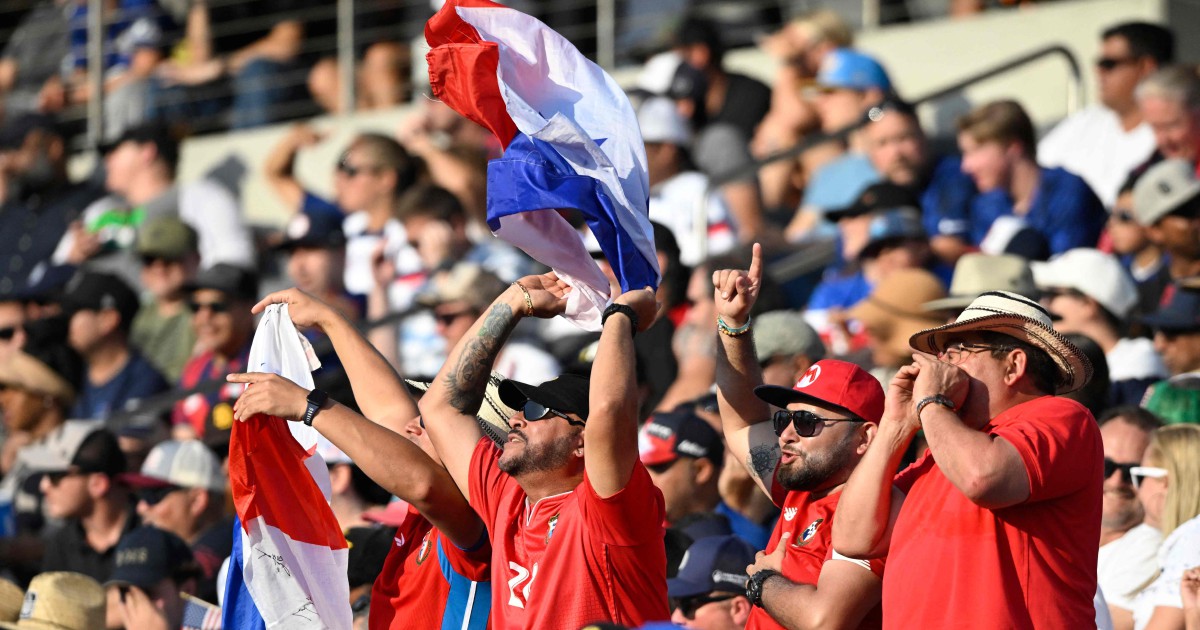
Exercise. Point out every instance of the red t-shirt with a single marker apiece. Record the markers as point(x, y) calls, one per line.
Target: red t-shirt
point(809, 522)
point(573, 558)
point(428, 583)
point(953, 564)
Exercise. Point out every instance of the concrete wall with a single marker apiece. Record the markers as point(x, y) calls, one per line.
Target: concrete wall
point(921, 58)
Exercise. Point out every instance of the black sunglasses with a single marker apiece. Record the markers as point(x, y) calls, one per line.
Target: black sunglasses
point(689, 605)
point(55, 477)
point(349, 170)
point(1111, 467)
point(216, 307)
point(150, 261)
point(1123, 216)
point(8, 332)
point(537, 411)
point(154, 496)
point(1110, 63)
point(446, 319)
point(806, 423)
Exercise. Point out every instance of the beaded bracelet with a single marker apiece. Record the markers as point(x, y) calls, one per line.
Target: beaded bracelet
point(732, 332)
point(528, 300)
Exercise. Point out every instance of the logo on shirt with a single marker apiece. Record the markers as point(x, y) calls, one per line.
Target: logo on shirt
point(399, 540)
point(550, 527)
point(423, 552)
point(808, 533)
point(789, 514)
point(810, 376)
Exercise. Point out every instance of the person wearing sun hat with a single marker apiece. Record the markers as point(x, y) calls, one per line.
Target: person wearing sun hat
point(1012, 480)
point(61, 600)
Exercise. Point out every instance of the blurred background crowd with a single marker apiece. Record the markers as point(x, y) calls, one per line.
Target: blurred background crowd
point(132, 247)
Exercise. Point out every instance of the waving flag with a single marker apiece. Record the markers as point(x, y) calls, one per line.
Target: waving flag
point(288, 566)
point(571, 141)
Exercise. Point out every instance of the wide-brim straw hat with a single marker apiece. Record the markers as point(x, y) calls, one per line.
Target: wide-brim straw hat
point(60, 600)
point(493, 414)
point(1018, 317)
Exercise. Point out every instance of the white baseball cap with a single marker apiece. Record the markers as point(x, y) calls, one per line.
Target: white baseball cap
point(1093, 273)
point(660, 121)
point(183, 463)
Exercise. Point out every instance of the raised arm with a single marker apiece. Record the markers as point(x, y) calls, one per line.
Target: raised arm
point(377, 387)
point(450, 405)
point(387, 457)
point(278, 167)
point(610, 438)
point(743, 415)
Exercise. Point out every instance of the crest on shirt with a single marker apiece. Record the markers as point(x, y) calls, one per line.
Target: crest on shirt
point(789, 514)
point(550, 527)
point(423, 552)
point(808, 533)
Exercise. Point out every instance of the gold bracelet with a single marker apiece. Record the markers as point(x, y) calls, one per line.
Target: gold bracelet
point(528, 300)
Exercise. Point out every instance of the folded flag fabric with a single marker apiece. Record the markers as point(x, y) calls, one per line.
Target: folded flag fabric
point(288, 566)
point(571, 140)
point(199, 614)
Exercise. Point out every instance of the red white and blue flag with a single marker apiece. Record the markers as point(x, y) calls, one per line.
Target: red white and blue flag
point(288, 566)
point(571, 140)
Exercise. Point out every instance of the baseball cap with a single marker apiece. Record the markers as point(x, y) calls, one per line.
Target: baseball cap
point(785, 334)
point(93, 291)
point(1163, 189)
point(317, 230)
point(716, 563)
point(166, 237)
point(234, 282)
point(667, 435)
point(1093, 273)
point(831, 382)
point(61, 600)
point(186, 464)
point(660, 121)
point(1181, 313)
point(891, 226)
point(164, 141)
point(464, 282)
point(45, 284)
point(82, 444)
point(666, 74)
point(850, 69)
point(369, 548)
point(877, 196)
point(567, 393)
point(147, 555)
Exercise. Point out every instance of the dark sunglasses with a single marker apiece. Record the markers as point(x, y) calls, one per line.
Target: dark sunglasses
point(154, 496)
point(55, 477)
point(1123, 216)
point(446, 319)
point(150, 261)
point(8, 332)
point(1111, 467)
point(1110, 63)
point(535, 411)
point(806, 423)
point(689, 605)
point(216, 307)
point(349, 170)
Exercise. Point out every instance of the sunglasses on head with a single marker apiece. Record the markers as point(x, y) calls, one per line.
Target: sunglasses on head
point(154, 496)
point(1110, 63)
point(1111, 467)
point(216, 307)
point(535, 411)
point(689, 605)
point(806, 423)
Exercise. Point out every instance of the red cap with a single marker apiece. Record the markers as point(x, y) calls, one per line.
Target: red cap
point(832, 382)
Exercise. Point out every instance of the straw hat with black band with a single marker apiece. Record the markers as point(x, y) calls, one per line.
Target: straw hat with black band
point(493, 414)
point(1018, 317)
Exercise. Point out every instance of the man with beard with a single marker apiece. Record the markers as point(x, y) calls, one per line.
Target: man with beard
point(574, 518)
point(823, 428)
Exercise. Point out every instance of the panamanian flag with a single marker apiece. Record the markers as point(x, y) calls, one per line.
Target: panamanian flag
point(571, 140)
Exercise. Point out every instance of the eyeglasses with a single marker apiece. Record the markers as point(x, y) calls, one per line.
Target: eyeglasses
point(1111, 467)
point(1111, 63)
point(956, 353)
point(349, 170)
point(806, 423)
point(535, 411)
point(154, 496)
point(689, 605)
point(1123, 216)
point(216, 307)
point(55, 477)
point(8, 332)
point(1140, 473)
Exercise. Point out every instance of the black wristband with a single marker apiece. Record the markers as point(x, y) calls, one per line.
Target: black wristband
point(316, 400)
point(623, 309)
point(754, 586)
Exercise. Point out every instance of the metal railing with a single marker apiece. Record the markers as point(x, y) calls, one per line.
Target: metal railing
point(802, 262)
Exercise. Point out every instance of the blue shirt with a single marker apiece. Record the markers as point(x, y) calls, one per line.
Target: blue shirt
point(137, 380)
point(946, 200)
point(137, 24)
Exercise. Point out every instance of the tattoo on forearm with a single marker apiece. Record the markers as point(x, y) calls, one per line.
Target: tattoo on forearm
point(467, 382)
point(763, 459)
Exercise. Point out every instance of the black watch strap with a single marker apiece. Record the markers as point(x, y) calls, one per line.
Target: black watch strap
point(316, 400)
point(623, 309)
point(754, 586)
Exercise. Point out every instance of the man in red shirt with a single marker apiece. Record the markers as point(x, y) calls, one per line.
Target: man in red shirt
point(801, 460)
point(435, 575)
point(996, 526)
point(574, 519)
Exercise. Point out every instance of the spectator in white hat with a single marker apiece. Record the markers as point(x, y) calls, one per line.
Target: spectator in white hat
point(1167, 201)
point(1093, 295)
point(1145, 261)
point(786, 346)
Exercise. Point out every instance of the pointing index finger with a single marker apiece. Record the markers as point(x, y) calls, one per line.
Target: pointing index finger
point(755, 271)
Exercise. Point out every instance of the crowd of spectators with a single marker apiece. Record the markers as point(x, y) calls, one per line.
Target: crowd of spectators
point(1015, 325)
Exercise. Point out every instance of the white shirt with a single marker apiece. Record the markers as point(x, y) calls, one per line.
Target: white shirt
point(674, 203)
point(1092, 144)
point(1126, 563)
point(1134, 359)
point(1178, 553)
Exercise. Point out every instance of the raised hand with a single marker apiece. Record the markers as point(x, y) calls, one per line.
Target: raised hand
point(735, 291)
point(937, 377)
point(268, 394)
point(900, 406)
point(547, 292)
point(643, 302)
point(304, 309)
point(1190, 590)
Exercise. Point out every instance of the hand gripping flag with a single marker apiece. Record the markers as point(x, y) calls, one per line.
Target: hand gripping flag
point(571, 140)
point(288, 566)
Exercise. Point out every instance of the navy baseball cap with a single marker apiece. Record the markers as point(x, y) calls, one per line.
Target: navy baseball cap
point(567, 393)
point(1180, 314)
point(147, 555)
point(716, 563)
point(317, 230)
point(93, 291)
point(235, 282)
point(668, 435)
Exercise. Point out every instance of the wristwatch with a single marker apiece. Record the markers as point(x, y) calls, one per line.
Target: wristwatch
point(623, 309)
point(936, 399)
point(316, 400)
point(754, 586)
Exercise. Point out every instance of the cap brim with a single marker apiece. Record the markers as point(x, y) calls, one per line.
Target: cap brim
point(677, 587)
point(120, 582)
point(1162, 322)
point(781, 397)
point(138, 480)
point(514, 394)
point(951, 303)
